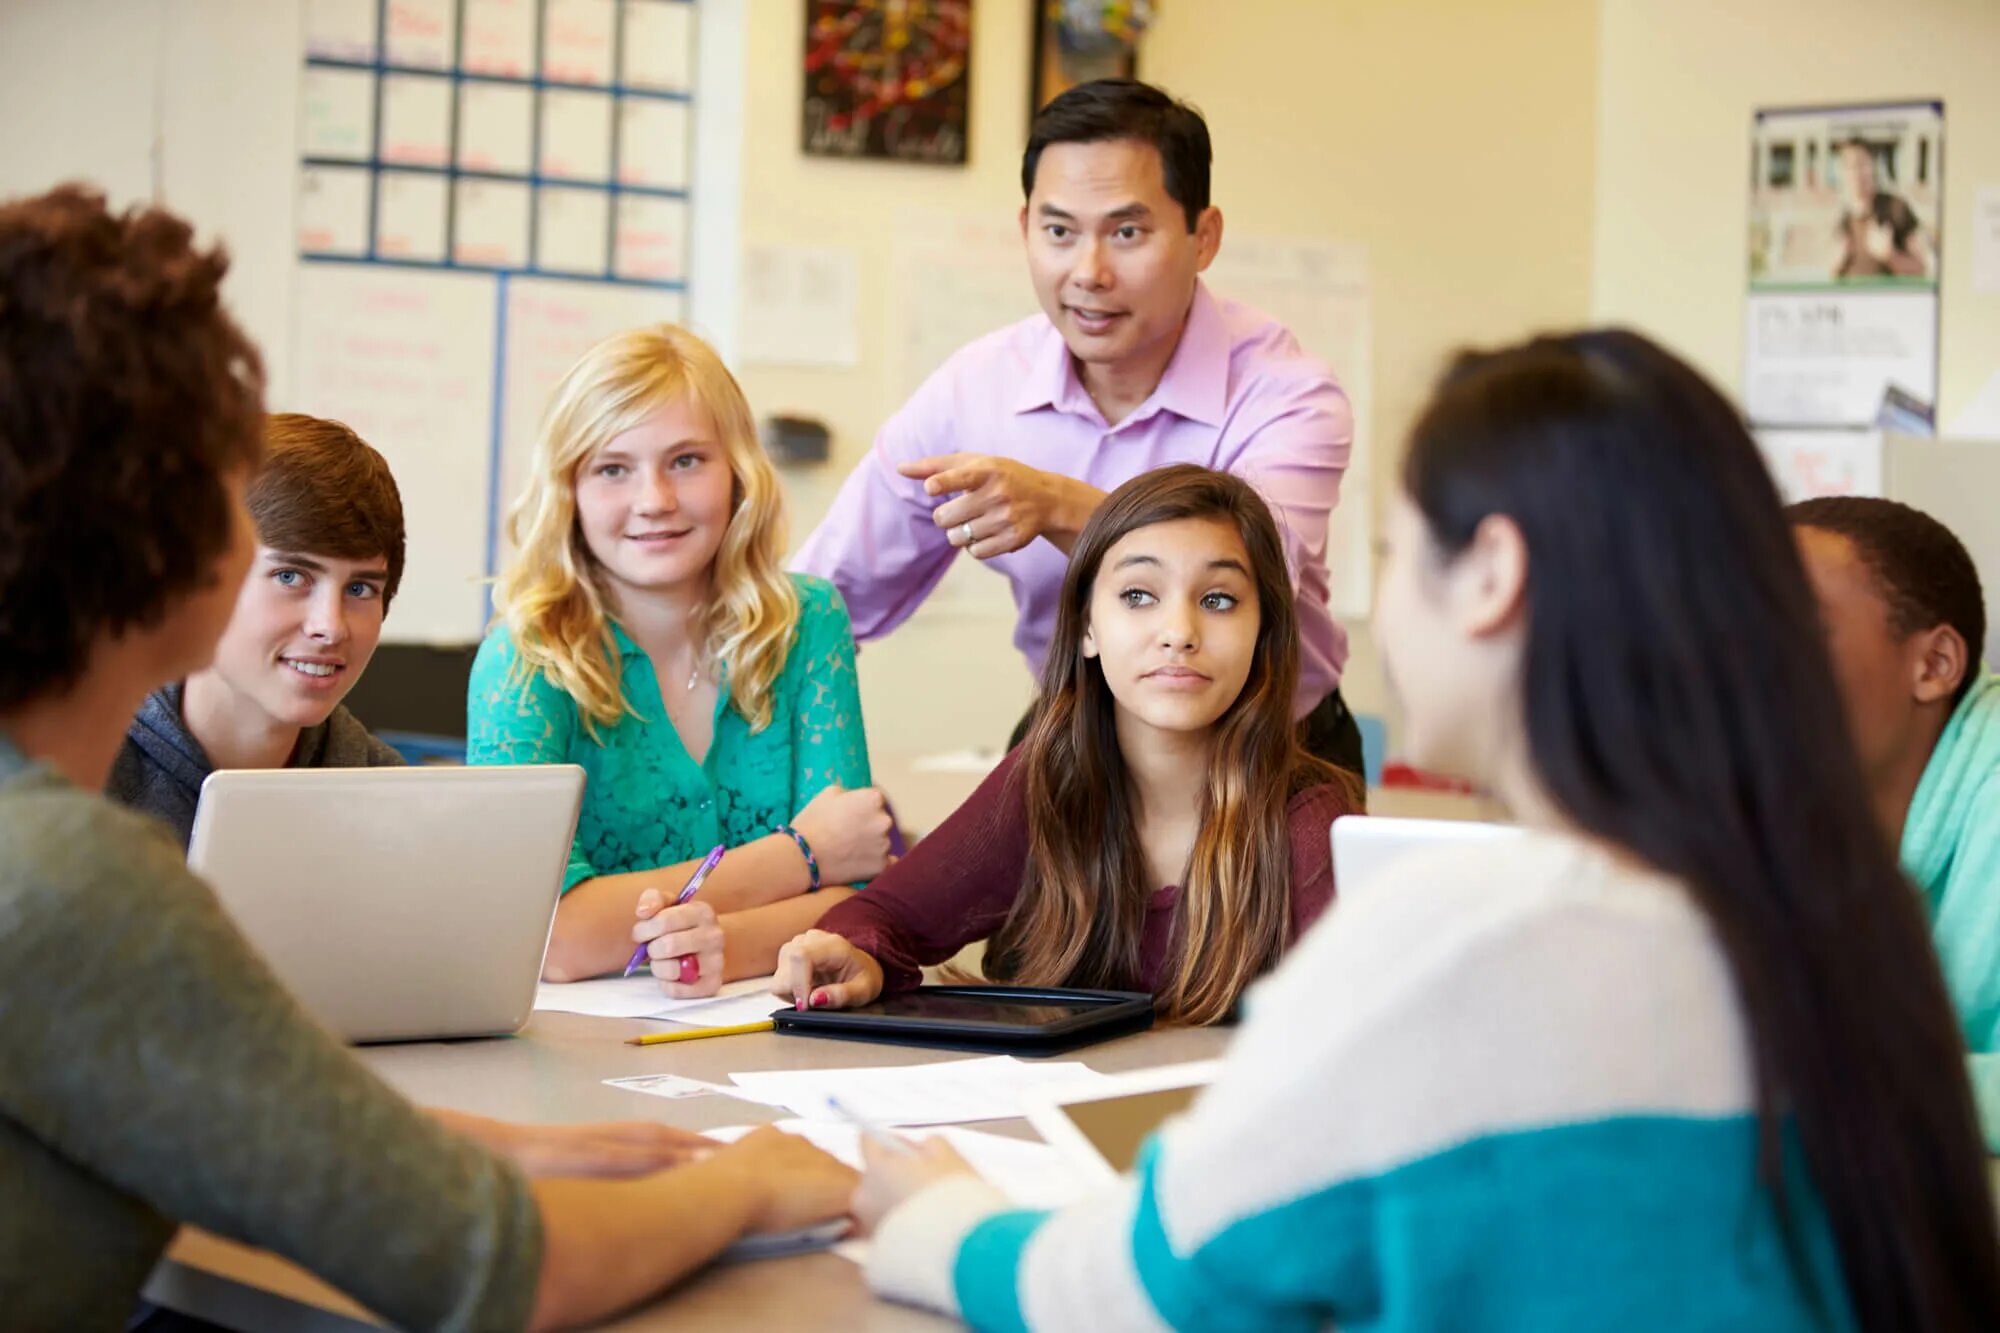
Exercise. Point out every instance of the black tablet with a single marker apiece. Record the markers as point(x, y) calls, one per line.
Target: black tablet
point(1024, 1019)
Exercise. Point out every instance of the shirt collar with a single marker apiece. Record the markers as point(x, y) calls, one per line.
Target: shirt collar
point(1195, 385)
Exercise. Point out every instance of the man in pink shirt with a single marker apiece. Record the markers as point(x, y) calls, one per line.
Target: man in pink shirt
point(1132, 365)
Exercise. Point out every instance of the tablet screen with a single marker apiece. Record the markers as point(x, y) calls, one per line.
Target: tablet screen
point(974, 1009)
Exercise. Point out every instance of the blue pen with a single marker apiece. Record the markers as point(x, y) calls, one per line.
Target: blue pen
point(874, 1133)
point(708, 863)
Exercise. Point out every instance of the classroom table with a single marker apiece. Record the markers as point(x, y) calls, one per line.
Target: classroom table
point(554, 1071)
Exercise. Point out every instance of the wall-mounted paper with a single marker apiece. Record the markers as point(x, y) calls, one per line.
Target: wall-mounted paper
point(337, 114)
point(572, 230)
point(653, 142)
point(499, 38)
point(496, 128)
point(1825, 359)
point(421, 33)
point(491, 224)
point(406, 358)
point(333, 210)
point(416, 120)
point(576, 135)
point(1808, 464)
point(410, 216)
point(800, 306)
point(577, 38)
point(658, 50)
point(341, 29)
point(550, 323)
point(652, 239)
point(1986, 240)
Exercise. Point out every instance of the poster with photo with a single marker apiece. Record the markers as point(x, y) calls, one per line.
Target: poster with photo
point(887, 79)
point(1844, 250)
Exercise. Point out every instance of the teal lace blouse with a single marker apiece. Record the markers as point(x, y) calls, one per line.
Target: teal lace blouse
point(646, 803)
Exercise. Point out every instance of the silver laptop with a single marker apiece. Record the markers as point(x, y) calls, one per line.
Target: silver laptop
point(397, 903)
point(1364, 845)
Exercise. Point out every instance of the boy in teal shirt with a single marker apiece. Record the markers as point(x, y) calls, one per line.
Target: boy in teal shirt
point(1905, 618)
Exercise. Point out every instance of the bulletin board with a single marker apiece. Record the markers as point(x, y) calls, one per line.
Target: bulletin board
point(486, 188)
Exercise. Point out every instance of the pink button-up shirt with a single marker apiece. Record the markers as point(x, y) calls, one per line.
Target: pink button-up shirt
point(1239, 395)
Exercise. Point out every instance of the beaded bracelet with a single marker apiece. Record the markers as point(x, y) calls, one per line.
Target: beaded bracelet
point(805, 850)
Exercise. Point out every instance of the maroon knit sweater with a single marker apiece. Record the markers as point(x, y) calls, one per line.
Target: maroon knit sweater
point(958, 884)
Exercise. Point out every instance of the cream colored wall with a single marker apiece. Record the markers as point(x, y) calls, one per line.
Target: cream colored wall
point(1454, 139)
point(1678, 83)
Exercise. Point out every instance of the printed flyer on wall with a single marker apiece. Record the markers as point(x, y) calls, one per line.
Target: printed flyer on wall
point(1845, 244)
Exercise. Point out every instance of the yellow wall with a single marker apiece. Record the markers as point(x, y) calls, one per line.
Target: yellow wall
point(1678, 84)
point(1453, 138)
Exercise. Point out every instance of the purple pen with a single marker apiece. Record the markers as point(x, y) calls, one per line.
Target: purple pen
point(708, 863)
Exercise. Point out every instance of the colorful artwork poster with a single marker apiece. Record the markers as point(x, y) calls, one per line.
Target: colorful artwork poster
point(1847, 196)
point(887, 79)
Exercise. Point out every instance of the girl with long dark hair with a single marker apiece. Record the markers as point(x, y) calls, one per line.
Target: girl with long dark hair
point(1160, 827)
point(1681, 1053)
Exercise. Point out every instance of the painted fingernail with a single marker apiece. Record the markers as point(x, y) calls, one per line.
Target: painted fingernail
point(798, 1006)
point(819, 999)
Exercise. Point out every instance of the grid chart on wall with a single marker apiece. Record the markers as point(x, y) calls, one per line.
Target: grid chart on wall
point(530, 137)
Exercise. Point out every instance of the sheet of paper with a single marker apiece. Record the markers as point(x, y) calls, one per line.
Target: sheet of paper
point(670, 1086)
point(496, 128)
point(576, 41)
point(1029, 1172)
point(653, 138)
point(492, 224)
point(341, 29)
point(659, 45)
point(572, 230)
point(980, 762)
point(421, 33)
point(942, 1093)
point(1808, 464)
point(640, 997)
point(333, 210)
point(576, 135)
point(410, 216)
point(337, 114)
point(1986, 240)
point(801, 306)
point(652, 241)
point(499, 38)
point(416, 120)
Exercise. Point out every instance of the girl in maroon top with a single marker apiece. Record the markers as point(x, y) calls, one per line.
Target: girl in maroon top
point(1160, 827)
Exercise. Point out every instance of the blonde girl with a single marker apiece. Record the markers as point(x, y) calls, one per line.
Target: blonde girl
point(646, 630)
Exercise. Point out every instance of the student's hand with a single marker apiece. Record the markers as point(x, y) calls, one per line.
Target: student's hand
point(796, 1184)
point(848, 832)
point(622, 1148)
point(821, 970)
point(893, 1178)
point(684, 944)
point(1002, 504)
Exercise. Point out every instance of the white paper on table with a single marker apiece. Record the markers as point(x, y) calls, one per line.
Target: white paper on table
point(492, 224)
point(658, 51)
point(573, 230)
point(496, 128)
point(499, 38)
point(577, 39)
point(576, 135)
point(940, 1093)
point(421, 33)
point(652, 238)
point(341, 29)
point(337, 114)
point(333, 210)
point(671, 1086)
point(640, 997)
point(653, 137)
point(979, 762)
point(410, 216)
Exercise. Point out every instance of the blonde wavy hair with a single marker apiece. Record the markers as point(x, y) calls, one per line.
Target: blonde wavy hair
point(550, 593)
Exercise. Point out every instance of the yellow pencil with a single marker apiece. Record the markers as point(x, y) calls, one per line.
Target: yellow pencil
point(696, 1034)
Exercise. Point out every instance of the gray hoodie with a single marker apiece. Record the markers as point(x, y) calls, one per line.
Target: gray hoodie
point(161, 767)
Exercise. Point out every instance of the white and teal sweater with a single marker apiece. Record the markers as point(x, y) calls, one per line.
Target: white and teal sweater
point(1488, 1091)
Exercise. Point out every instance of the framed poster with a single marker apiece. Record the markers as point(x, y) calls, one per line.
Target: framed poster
point(1076, 41)
point(887, 79)
point(1844, 249)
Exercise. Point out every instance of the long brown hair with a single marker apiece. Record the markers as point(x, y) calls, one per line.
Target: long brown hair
point(1082, 906)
